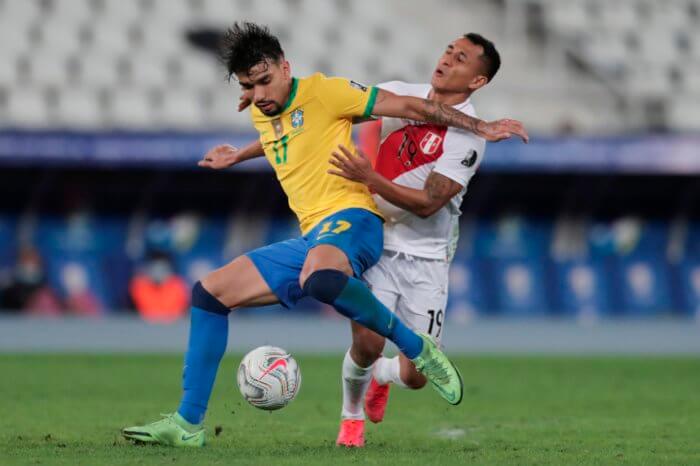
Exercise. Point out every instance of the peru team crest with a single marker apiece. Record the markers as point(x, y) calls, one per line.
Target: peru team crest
point(297, 118)
point(430, 143)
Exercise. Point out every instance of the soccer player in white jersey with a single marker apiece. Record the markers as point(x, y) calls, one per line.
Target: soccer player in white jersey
point(418, 181)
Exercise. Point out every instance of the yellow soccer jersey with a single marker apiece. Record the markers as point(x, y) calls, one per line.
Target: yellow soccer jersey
point(298, 144)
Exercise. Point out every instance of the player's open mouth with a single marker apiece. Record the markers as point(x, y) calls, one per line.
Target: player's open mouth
point(438, 72)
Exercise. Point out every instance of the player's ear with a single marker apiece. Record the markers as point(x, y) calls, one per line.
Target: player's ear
point(286, 69)
point(478, 82)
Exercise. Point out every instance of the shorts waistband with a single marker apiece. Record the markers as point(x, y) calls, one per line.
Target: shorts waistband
point(403, 255)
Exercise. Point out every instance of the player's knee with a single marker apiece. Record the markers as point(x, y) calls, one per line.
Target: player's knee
point(325, 285)
point(367, 341)
point(203, 299)
point(366, 352)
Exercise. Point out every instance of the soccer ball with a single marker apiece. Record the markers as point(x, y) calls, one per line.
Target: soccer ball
point(269, 378)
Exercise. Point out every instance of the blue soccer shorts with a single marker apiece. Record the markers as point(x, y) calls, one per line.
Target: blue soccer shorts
point(357, 232)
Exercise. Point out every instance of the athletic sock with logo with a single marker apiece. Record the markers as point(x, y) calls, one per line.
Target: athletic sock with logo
point(206, 347)
point(354, 300)
point(355, 382)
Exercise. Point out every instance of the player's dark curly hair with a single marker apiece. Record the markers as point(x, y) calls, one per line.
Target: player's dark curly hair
point(490, 57)
point(245, 44)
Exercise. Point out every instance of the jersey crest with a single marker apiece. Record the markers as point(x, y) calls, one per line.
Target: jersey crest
point(408, 148)
point(297, 118)
point(430, 143)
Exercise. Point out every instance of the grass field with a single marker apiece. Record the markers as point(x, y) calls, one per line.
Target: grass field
point(67, 410)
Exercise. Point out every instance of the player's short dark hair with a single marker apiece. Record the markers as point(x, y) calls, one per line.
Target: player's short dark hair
point(490, 57)
point(245, 44)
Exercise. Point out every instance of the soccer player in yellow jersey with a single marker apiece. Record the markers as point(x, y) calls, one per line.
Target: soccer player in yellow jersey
point(301, 121)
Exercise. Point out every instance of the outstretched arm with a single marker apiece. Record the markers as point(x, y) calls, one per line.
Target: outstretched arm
point(225, 155)
point(414, 108)
point(436, 193)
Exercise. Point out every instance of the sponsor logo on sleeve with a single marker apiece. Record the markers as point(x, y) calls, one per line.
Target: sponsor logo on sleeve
point(359, 86)
point(470, 159)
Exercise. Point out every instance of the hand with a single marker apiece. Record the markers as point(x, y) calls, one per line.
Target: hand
point(352, 167)
point(243, 103)
point(499, 130)
point(219, 157)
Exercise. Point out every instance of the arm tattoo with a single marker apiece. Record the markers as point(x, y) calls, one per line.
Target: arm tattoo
point(439, 187)
point(445, 115)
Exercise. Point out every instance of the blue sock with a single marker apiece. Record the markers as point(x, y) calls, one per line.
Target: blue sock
point(207, 345)
point(354, 300)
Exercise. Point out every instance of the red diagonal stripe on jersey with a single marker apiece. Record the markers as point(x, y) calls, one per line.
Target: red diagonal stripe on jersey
point(408, 148)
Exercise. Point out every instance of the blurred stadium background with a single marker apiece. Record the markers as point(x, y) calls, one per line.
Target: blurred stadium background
point(106, 105)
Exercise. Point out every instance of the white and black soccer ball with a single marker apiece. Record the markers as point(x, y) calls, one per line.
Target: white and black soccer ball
point(269, 378)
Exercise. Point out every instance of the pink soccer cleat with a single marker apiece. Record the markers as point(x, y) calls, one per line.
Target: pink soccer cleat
point(352, 433)
point(375, 401)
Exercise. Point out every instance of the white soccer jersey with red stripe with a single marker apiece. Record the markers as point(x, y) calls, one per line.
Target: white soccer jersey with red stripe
point(409, 151)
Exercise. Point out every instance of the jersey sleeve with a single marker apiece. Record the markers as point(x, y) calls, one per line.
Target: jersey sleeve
point(462, 155)
point(345, 98)
point(392, 86)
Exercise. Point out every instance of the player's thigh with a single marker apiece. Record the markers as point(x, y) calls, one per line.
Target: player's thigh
point(279, 264)
point(239, 284)
point(324, 256)
point(350, 241)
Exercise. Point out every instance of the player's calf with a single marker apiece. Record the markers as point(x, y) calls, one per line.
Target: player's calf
point(367, 346)
point(410, 376)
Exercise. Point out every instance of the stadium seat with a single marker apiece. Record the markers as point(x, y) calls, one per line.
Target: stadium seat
point(71, 12)
point(221, 110)
point(468, 291)
point(122, 12)
point(181, 111)
point(80, 271)
point(109, 38)
point(147, 71)
point(27, 108)
point(512, 236)
point(92, 244)
point(683, 112)
point(692, 240)
point(79, 109)
point(58, 38)
point(643, 286)
point(197, 70)
point(21, 11)
point(132, 109)
point(216, 13)
point(99, 72)
point(518, 287)
point(690, 287)
point(581, 288)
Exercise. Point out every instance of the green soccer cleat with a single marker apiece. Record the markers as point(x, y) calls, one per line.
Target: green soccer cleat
point(442, 374)
point(170, 431)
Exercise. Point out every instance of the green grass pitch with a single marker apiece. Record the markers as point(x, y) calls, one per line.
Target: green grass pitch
point(67, 410)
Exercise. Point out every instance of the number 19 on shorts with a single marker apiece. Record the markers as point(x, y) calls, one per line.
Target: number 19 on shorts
point(435, 322)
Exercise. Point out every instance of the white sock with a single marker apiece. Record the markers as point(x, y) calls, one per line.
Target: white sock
point(355, 382)
point(388, 370)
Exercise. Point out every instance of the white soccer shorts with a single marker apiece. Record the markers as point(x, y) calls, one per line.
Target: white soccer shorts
point(413, 288)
